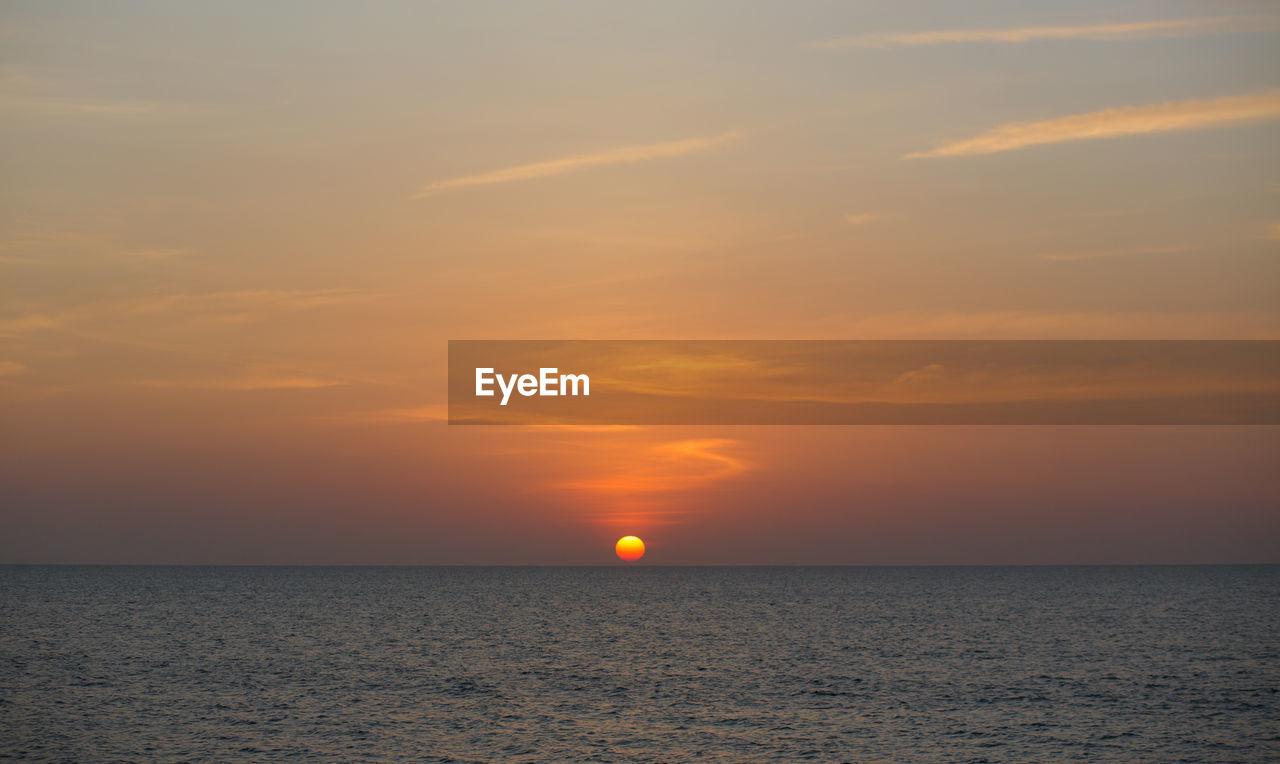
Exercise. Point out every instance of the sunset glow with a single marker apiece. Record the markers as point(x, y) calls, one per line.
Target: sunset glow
point(933, 346)
point(227, 292)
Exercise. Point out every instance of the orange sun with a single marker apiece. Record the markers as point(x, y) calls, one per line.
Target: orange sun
point(629, 548)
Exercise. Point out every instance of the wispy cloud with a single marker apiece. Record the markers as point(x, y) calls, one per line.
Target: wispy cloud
point(1273, 231)
point(1111, 123)
point(670, 467)
point(624, 155)
point(37, 240)
point(927, 373)
point(240, 305)
point(31, 322)
point(439, 412)
point(153, 254)
point(12, 368)
point(76, 107)
point(431, 412)
point(28, 242)
point(21, 92)
point(863, 218)
point(1064, 257)
point(1137, 30)
point(1030, 324)
point(246, 383)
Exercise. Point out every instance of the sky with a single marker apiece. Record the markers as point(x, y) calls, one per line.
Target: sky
point(235, 240)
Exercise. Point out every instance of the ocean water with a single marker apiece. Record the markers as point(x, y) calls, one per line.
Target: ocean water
point(640, 664)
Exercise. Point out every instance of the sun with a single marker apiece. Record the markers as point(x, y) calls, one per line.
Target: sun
point(629, 548)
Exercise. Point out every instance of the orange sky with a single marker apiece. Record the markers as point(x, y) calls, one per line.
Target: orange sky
point(235, 242)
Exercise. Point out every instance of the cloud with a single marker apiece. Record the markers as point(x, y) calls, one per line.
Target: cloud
point(928, 373)
point(12, 368)
point(862, 218)
point(1040, 325)
point(1139, 30)
point(624, 155)
point(24, 93)
point(708, 450)
point(30, 323)
point(39, 240)
point(1273, 231)
point(77, 107)
point(241, 305)
point(1110, 123)
point(439, 412)
point(1063, 257)
point(153, 254)
point(30, 242)
point(247, 383)
point(27, 243)
point(431, 412)
point(589, 429)
point(664, 468)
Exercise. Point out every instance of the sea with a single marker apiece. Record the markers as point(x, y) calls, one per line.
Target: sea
point(640, 664)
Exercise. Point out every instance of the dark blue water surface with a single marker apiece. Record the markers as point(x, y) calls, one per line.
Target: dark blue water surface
point(640, 664)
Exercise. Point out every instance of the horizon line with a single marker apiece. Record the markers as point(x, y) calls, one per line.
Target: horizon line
point(639, 565)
